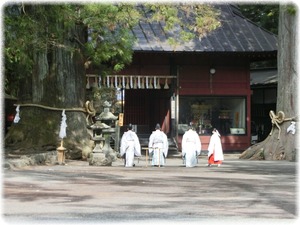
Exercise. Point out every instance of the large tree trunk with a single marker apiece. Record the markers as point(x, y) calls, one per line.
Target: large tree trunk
point(284, 147)
point(58, 81)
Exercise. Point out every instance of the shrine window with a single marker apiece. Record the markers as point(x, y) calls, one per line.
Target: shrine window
point(227, 114)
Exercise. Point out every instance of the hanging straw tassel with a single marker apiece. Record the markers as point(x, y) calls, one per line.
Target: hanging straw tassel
point(134, 85)
point(150, 85)
point(63, 126)
point(166, 84)
point(131, 84)
point(107, 82)
point(116, 82)
point(99, 81)
point(17, 116)
point(120, 80)
point(147, 84)
point(143, 83)
point(104, 82)
point(139, 82)
point(123, 82)
point(127, 83)
point(158, 83)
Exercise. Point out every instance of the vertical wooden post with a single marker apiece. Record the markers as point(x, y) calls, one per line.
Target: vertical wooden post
point(61, 153)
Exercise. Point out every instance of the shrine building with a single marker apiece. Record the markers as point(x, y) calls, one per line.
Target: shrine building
point(205, 81)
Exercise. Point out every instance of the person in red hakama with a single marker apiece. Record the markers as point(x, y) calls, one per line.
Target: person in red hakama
point(215, 151)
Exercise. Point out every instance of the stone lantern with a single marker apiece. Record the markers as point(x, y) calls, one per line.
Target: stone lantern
point(103, 154)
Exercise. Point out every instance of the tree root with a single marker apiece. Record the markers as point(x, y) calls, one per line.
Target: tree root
point(271, 148)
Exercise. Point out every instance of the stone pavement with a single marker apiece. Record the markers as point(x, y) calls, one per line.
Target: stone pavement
point(238, 192)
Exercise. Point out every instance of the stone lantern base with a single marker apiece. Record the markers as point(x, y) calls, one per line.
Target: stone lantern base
point(99, 159)
point(102, 154)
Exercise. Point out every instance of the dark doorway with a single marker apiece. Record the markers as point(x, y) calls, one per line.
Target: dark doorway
point(147, 107)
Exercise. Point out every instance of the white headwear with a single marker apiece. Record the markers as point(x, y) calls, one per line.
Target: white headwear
point(217, 132)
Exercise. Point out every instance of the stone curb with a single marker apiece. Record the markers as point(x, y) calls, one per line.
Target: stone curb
point(30, 160)
point(51, 158)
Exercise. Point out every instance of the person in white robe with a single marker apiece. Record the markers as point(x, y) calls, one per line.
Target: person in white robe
point(191, 147)
point(158, 146)
point(215, 151)
point(130, 146)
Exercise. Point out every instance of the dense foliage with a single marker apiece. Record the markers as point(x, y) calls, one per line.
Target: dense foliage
point(265, 15)
point(109, 40)
point(31, 28)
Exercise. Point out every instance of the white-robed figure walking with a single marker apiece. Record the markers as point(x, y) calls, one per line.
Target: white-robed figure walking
point(191, 147)
point(215, 151)
point(158, 146)
point(130, 146)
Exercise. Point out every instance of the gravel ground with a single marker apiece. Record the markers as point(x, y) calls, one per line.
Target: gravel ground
point(240, 191)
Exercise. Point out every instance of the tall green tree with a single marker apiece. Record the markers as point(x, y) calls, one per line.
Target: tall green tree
point(51, 45)
point(282, 144)
point(48, 48)
point(265, 15)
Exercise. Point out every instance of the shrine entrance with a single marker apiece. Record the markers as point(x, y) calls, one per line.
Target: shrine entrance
point(146, 101)
point(147, 107)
